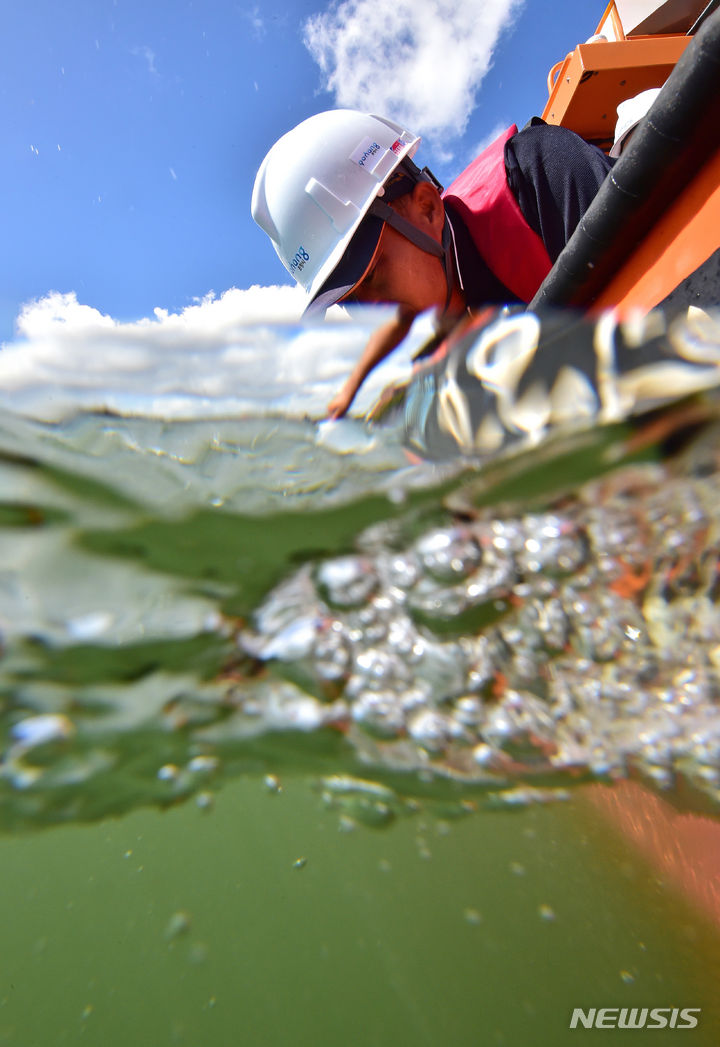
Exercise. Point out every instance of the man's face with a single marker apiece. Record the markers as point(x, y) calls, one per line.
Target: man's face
point(401, 272)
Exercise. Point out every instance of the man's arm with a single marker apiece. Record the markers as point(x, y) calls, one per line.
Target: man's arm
point(380, 344)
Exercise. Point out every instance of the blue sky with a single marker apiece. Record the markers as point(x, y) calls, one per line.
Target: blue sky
point(132, 129)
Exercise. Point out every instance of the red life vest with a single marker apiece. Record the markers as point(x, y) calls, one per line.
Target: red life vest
point(485, 202)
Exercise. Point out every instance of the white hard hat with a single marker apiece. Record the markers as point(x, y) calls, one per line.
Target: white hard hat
point(316, 185)
point(630, 113)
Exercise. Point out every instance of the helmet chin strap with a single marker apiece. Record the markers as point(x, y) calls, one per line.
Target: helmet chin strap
point(427, 243)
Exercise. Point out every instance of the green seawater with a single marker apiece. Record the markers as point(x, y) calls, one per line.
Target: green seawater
point(259, 923)
point(240, 898)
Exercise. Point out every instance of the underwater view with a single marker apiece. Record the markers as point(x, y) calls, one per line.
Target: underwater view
point(307, 740)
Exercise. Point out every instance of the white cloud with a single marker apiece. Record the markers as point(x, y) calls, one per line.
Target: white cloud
point(256, 20)
point(419, 62)
point(148, 55)
point(242, 353)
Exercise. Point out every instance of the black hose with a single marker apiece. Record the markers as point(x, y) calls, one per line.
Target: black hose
point(712, 6)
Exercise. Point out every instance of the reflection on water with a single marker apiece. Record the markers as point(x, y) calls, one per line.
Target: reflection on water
point(158, 640)
point(132, 550)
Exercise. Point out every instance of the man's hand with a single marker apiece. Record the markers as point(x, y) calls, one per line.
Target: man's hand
point(340, 403)
point(381, 342)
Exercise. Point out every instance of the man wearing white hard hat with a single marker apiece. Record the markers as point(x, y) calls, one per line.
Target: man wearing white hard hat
point(353, 219)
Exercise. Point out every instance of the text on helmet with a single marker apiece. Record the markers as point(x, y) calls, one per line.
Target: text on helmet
point(365, 152)
point(297, 262)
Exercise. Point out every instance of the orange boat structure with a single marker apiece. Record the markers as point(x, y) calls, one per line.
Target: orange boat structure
point(653, 232)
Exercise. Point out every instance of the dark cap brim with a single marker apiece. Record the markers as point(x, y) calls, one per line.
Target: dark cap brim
point(351, 268)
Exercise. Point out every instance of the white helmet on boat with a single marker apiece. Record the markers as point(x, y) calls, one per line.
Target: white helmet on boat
point(630, 113)
point(314, 188)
